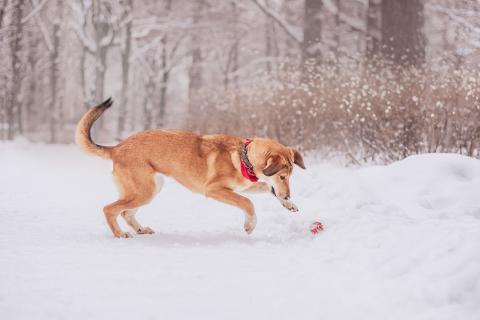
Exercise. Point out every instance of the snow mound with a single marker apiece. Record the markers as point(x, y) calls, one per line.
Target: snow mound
point(424, 185)
point(400, 242)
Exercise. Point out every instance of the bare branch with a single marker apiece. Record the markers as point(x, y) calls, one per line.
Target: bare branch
point(39, 23)
point(36, 8)
point(455, 18)
point(275, 17)
point(355, 24)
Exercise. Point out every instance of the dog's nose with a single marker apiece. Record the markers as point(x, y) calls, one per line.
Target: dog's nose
point(286, 197)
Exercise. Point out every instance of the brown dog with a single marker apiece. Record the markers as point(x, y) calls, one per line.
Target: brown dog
point(217, 166)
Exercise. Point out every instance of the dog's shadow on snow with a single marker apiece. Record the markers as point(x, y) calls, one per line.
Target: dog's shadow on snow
point(209, 239)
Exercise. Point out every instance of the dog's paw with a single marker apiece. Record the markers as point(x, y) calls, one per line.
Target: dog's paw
point(290, 206)
point(145, 230)
point(250, 224)
point(123, 235)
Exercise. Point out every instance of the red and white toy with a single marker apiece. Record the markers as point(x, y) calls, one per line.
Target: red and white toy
point(316, 227)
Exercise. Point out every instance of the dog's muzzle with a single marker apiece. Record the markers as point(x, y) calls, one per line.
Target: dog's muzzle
point(273, 191)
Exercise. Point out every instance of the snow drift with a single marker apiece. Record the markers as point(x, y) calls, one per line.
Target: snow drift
point(400, 242)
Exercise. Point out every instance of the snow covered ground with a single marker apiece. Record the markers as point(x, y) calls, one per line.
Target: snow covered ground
point(401, 242)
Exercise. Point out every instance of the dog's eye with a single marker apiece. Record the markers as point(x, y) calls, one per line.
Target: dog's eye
point(282, 177)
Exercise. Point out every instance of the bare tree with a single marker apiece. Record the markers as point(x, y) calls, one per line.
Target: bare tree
point(126, 48)
point(373, 28)
point(52, 42)
point(271, 42)
point(310, 43)
point(165, 76)
point(103, 35)
point(54, 71)
point(195, 71)
point(34, 49)
point(13, 105)
point(3, 6)
point(4, 77)
point(97, 37)
point(402, 34)
point(158, 53)
point(312, 32)
point(233, 60)
point(337, 24)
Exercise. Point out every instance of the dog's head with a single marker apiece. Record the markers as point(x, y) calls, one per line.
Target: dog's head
point(276, 162)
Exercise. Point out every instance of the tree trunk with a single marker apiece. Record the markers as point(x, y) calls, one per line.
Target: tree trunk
point(271, 40)
point(163, 86)
point(33, 50)
point(336, 36)
point(165, 74)
point(13, 114)
point(125, 68)
point(2, 12)
point(54, 59)
point(83, 79)
point(147, 107)
point(195, 72)
point(373, 29)
point(4, 80)
point(102, 28)
point(101, 59)
point(235, 56)
point(402, 36)
point(268, 40)
point(312, 32)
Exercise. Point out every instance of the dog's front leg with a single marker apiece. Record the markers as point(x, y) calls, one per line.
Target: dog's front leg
point(286, 203)
point(264, 187)
point(259, 187)
point(289, 205)
point(228, 196)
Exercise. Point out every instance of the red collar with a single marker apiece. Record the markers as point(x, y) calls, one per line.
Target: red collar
point(245, 165)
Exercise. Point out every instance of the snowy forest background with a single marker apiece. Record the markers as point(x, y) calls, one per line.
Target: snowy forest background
point(368, 79)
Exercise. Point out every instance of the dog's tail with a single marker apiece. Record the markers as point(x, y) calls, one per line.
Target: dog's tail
point(82, 135)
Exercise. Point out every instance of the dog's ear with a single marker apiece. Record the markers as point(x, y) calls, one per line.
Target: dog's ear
point(297, 158)
point(273, 166)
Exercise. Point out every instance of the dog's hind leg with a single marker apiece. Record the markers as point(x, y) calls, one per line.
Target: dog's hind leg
point(137, 187)
point(129, 216)
point(159, 182)
point(111, 213)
